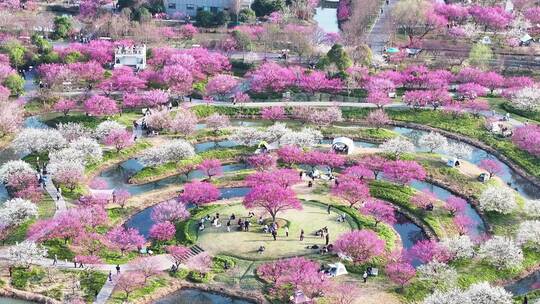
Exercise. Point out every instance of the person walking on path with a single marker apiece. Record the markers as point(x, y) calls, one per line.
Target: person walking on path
point(110, 276)
point(364, 276)
point(286, 231)
point(328, 209)
point(327, 239)
point(274, 235)
point(301, 235)
point(117, 269)
point(55, 260)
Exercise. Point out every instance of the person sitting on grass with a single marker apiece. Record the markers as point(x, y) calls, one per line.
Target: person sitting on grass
point(261, 250)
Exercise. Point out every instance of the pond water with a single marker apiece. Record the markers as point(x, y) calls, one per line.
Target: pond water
point(34, 122)
point(4, 196)
point(5, 300)
point(357, 143)
point(326, 18)
point(478, 227)
point(209, 145)
point(525, 285)
point(237, 123)
point(142, 221)
point(117, 177)
point(509, 176)
point(409, 232)
point(195, 296)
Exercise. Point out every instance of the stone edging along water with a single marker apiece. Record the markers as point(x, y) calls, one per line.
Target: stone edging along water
point(26, 296)
point(471, 201)
point(473, 142)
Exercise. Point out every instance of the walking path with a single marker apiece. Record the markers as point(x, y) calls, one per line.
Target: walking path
point(379, 36)
point(55, 195)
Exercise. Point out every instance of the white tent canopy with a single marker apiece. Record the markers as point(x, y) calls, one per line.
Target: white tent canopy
point(343, 145)
point(299, 297)
point(337, 269)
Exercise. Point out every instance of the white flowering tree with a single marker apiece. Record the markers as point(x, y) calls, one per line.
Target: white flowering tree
point(172, 151)
point(479, 293)
point(16, 211)
point(498, 199)
point(483, 293)
point(26, 253)
point(13, 168)
point(89, 147)
point(307, 137)
point(437, 275)
point(397, 146)
point(72, 131)
point(453, 296)
point(461, 246)
point(527, 99)
point(104, 128)
point(501, 252)
point(433, 141)
point(247, 136)
point(66, 155)
point(32, 140)
point(275, 132)
point(11, 117)
point(532, 208)
point(458, 150)
point(68, 173)
point(528, 234)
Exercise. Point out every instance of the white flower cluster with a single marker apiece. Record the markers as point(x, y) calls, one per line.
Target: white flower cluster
point(479, 293)
point(501, 252)
point(16, 211)
point(498, 199)
point(169, 152)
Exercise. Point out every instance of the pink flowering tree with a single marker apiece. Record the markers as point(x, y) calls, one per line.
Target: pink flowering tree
point(273, 113)
point(476, 106)
point(463, 223)
point(125, 239)
point(282, 177)
point(64, 106)
point(217, 122)
point(351, 191)
point(378, 118)
point(380, 211)
point(221, 85)
point(528, 138)
point(119, 139)
point(178, 78)
point(380, 99)
point(87, 74)
point(188, 31)
point(492, 166)
point(162, 231)
point(201, 263)
point(199, 193)
point(455, 204)
point(424, 199)
point(262, 161)
point(178, 253)
point(170, 210)
point(400, 273)
point(360, 245)
point(211, 167)
point(123, 79)
point(290, 155)
point(359, 172)
point(403, 171)
point(374, 163)
point(272, 77)
point(494, 18)
point(120, 197)
point(471, 90)
point(273, 198)
point(100, 106)
point(299, 273)
point(429, 250)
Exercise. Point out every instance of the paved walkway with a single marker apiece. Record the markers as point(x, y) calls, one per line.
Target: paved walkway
point(55, 195)
point(379, 36)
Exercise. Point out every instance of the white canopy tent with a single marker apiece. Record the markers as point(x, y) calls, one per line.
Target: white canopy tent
point(337, 269)
point(343, 145)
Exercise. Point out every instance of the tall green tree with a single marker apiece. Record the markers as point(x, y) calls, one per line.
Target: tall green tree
point(62, 27)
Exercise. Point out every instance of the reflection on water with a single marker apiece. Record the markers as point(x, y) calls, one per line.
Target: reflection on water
point(117, 177)
point(195, 296)
point(409, 232)
point(525, 285)
point(143, 222)
point(357, 143)
point(4, 196)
